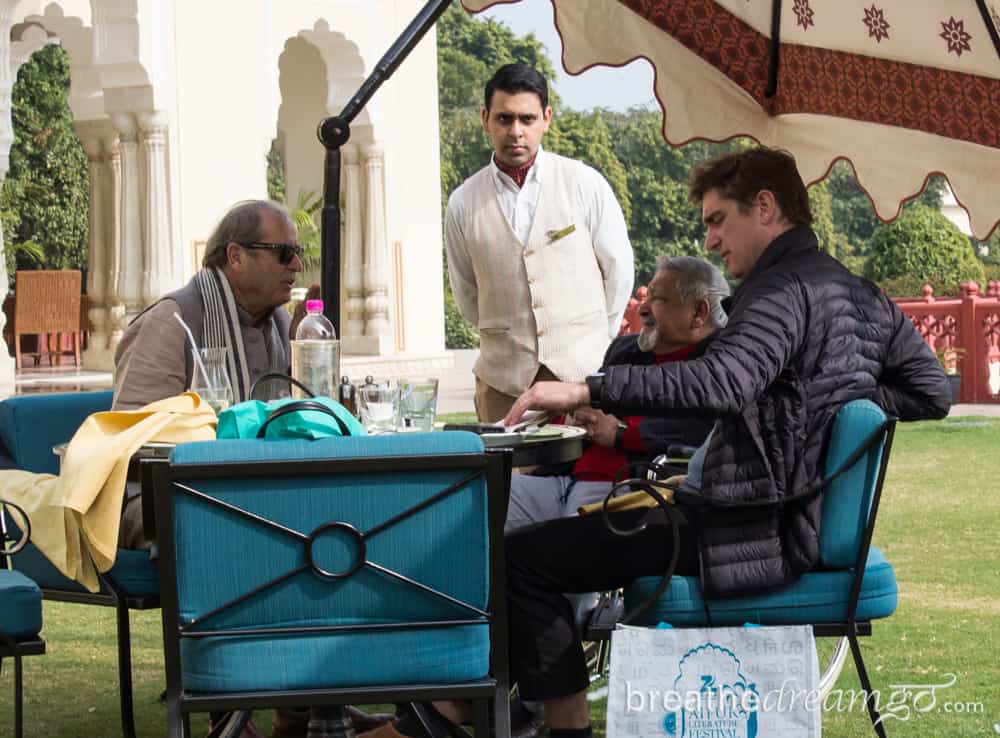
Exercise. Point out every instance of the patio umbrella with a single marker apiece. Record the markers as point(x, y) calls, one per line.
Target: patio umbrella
point(902, 89)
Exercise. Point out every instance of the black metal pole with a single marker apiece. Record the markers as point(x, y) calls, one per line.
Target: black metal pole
point(991, 29)
point(335, 131)
point(330, 238)
point(775, 57)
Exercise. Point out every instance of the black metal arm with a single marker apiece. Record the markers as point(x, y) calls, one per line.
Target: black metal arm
point(335, 131)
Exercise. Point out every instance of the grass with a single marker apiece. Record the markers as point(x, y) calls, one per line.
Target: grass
point(938, 525)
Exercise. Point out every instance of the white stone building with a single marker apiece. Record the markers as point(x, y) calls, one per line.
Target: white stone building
point(176, 103)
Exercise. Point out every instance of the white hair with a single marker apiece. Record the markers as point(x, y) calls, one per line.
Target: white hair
point(699, 279)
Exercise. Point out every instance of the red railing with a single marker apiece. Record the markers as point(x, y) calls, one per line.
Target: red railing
point(971, 325)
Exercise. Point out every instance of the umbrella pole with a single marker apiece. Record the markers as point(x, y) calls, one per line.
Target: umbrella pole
point(335, 131)
point(990, 27)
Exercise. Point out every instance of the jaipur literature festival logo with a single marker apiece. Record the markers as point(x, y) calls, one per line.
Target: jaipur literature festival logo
point(714, 697)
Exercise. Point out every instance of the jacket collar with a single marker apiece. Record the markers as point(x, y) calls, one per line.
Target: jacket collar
point(790, 243)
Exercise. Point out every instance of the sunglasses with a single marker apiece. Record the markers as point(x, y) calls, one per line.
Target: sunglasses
point(285, 250)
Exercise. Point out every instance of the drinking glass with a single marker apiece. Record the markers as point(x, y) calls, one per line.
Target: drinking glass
point(379, 406)
point(212, 384)
point(417, 403)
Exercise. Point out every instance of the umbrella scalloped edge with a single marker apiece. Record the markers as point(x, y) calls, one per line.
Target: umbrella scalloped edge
point(699, 102)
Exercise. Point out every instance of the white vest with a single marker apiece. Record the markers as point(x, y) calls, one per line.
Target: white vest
point(541, 302)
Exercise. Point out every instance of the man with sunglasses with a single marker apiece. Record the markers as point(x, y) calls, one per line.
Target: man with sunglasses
point(235, 301)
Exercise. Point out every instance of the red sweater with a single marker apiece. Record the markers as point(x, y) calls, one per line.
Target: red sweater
point(601, 463)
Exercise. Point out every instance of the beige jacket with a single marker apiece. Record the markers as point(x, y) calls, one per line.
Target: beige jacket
point(542, 302)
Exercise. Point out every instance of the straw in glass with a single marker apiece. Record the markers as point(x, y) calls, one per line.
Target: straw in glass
point(196, 352)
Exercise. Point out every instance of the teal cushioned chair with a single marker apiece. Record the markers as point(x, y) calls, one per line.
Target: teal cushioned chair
point(20, 619)
point(324, 572)
point(30, 425)
point(854, 584)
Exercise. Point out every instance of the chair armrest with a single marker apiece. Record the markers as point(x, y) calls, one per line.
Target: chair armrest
point(24, 523)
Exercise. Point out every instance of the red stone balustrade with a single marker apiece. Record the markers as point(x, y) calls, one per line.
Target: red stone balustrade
point(969, 323)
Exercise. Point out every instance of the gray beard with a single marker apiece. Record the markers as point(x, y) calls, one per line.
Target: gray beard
point(647, 338)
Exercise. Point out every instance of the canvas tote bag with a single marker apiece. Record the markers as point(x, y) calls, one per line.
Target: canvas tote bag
point(749, 682)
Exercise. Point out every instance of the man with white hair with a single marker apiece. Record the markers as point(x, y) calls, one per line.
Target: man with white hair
point(681, 312)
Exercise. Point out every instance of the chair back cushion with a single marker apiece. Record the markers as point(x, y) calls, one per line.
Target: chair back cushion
point(21, 613)
point(47, 301)
point(847, 501)
point(221, 556)
point(30, 425)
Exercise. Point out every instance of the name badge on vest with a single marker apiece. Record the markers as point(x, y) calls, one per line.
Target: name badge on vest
point(556, 235)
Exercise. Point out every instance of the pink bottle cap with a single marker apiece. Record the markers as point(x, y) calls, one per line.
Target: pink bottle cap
point(314, 306)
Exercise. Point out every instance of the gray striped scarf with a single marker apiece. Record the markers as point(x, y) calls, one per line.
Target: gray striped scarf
point(221, 328)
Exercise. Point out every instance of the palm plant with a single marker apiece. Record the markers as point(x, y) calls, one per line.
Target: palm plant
point(303, 215)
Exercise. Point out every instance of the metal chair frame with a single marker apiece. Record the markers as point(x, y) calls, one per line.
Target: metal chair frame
point(110, 595)
point(850, 629)
point(491, 689)
point(16, 649)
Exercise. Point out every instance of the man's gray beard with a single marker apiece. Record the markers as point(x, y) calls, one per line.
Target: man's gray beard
point(647, 338)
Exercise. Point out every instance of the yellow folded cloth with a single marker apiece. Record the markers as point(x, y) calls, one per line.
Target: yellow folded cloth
point(75, 516)
point(636, 500)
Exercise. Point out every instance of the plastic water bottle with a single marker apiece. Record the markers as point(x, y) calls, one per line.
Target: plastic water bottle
point(316, 353)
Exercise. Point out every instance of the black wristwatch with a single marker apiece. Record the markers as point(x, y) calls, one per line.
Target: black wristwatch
point(595, 385)
point(620, 436)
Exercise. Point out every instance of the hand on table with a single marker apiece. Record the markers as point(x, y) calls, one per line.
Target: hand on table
point(557, 396)
point(600, 426)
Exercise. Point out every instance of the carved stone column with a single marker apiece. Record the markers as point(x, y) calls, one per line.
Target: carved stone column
point(354, 324)
point(159, 273)
point(131, 263)
point(376, 270)
point(92, 135)
point(116, 308)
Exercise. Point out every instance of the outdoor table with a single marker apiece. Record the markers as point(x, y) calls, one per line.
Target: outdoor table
point(520, 449)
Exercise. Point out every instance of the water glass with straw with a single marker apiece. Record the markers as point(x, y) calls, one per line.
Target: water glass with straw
point(210, 373)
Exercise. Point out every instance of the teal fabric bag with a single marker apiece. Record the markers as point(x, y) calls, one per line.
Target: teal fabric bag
point(319, 417)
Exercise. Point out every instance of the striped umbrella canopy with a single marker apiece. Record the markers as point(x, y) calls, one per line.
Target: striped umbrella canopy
point(901, 89)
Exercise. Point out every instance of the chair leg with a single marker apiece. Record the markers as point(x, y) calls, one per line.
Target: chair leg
point(866, 684)
point(501, 711)
point(177, 723)
point(18, 698)
point(125, 669)
point(76, 348)
point(17, 352)
point(481, 717)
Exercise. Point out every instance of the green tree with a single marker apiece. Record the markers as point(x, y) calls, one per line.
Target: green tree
point(662, 220)
point(831, 240)
point(44, 199)
point(588, 137)
point(852, 212)
point(922, 246)
point(275, 173)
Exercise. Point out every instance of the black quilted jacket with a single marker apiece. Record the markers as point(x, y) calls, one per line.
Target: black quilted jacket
point(805, 336)
point(659, 430)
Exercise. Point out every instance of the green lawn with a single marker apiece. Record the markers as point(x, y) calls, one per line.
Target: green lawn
point(938, 525)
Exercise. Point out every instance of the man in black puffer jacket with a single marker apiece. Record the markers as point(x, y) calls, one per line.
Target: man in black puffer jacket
point(804, 337)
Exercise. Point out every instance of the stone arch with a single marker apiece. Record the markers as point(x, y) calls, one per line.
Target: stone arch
point(77, 38)
point(319, 71)
point(303, 86)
